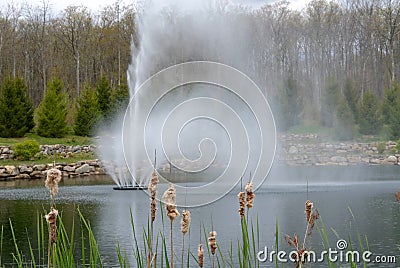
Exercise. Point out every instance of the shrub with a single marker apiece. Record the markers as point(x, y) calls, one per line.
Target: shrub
point(381, 147)
point(370, 116)
point(88, 113)
point(26, 149)
point(398, 146)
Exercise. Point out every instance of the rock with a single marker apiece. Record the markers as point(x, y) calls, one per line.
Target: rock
point(374, 161)
point(69, 168)
point(83, 169)
point(11, 170)
point(6, 150)
point(338, 159)
point(25, 169)
point(392, 159)
point(23, 177)
point(39, 167)
point(293, 150)
point(37, 174)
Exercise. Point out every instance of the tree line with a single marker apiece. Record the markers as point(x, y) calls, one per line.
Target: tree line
point(335, 63)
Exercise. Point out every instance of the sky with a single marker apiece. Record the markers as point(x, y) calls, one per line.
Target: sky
point(96, 5)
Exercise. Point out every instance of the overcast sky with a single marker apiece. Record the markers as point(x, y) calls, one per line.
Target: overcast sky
point(95, 5)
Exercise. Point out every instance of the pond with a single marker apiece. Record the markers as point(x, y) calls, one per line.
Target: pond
point(369, 195)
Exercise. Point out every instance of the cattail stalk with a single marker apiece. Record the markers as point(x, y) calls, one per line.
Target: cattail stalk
point(185, 225)
point(242, 204)
point(213, 244)
point(153, 209)
point(200, 255)
point(169, 198)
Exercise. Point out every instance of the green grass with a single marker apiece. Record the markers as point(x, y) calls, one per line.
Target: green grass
point(67, 140)
point(47, 160)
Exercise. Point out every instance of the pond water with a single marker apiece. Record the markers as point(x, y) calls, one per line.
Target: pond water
point(370, 196)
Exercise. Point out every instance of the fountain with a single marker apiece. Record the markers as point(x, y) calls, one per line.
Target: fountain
point(191, 102)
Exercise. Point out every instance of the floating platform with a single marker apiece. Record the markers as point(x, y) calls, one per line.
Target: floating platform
point(131, 187)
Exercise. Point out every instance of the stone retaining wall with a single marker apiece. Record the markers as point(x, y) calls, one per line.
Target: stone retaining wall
point(80, 168)
point(312, 150)
point(7, 152)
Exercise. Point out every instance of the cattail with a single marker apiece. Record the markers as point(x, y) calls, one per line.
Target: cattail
point(249, 194)
point(242, 204)
point(52, 180)
point(397, 196)
point(200, 255)
point(169, 198)
point(185, 223)
point(309, 207)
point(212, 242)
point(153, 192)
point(51, 218)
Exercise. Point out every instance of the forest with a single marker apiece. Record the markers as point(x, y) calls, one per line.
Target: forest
point(333, 63)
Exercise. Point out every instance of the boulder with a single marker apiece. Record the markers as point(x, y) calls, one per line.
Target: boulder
point(83, 169)
point(392, 159)
point(338, 159)
point(11, 170)
point(293, 150)
point(69, 168)
point(37, 174)
point(39, 167)
point(25, 169)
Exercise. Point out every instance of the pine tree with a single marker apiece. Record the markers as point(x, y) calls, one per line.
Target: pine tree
point(370, 115)
point(392, 96)
point(88, 113)
point(104, 94)
point(330, 101)
point(352, 97)
point(290, 104)
point(344, 121)
point(16, 111)
point(52, 111)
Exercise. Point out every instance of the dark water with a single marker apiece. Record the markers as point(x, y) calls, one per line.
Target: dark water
point(333, 191)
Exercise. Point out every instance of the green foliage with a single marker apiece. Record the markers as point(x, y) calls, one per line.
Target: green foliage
point(381, 147)
point(391, 110)
point(88, 113)
point(52, 112)
point(120, 100)
point(330, 101)
point(290, 105)
point(103, 92)
point(26, 149)
point(344, 121)
point(16, 112)
point(352, 97)
point(370, 115)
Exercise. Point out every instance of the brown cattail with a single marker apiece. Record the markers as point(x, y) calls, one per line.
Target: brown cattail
point(200, 255)
point(309, 207)
point(169, 198)
point(242, 204)
point(397, 196)
point(249, 194)
point(51, 218)
point(185, 223)
point(52, 180)
point(212, 242)
point(294, 242)
point(153, 192)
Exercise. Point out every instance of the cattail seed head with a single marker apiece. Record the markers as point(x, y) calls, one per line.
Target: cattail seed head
point(397, 196)
point(185, 223)
point(200, 255)
point(212, 242)
point(52, 180)
point(169, 198)
point(249, 194)
point(51, 218)
point(308, 211)
point(242, 204)
point(153, 192)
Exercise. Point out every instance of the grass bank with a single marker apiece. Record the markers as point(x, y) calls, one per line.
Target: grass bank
point(67, 140)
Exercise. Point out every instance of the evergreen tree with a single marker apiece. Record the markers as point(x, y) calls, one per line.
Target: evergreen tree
point(88, 113)
point(52, 111)
point(330, 101)
point(370, 115)
point(16, 111)
point(290, 105)
point(120, 100)
point(344, 121)
point(103, 91)
point(391, 100)
point(352, 97)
